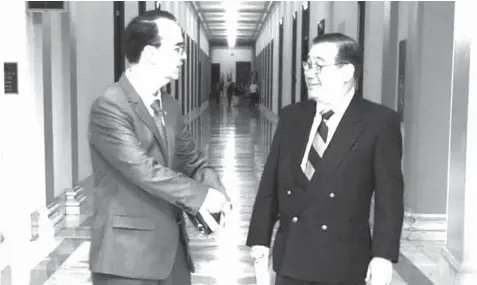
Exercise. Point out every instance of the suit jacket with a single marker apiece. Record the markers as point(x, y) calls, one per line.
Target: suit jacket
point(141, 188)
point(324, 232)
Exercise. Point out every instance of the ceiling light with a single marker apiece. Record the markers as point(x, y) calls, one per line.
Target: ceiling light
point(231, 17)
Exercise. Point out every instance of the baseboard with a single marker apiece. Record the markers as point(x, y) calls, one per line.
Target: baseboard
point(48, 221)
point(455, 272)
point(424, 226)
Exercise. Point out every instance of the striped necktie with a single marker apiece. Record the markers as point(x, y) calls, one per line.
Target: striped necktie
point(159, 119)
point(319, 139)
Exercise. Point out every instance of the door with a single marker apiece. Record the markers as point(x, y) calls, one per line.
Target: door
point(294, 43)
point(142, 7)
point(361, 29)
point(270, 86)
point(119, 62)
point(280, 64)
point(242, 72)
point(215, 78)
point(200, 95)
point(305, 27)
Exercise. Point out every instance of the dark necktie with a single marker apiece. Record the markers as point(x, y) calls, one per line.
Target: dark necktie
point(322, 134)
point(159, 119)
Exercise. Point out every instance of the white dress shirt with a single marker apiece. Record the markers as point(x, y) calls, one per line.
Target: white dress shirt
point(253, 88)
point(332, 124)
point(147, 96)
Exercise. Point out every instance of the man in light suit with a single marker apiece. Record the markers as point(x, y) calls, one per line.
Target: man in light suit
point(328, 156)
point(146, 167)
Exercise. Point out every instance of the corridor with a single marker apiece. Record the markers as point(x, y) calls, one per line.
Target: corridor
point(236, 141)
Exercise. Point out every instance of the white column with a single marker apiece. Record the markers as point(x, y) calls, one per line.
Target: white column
point(21, 121)
point(459, 266)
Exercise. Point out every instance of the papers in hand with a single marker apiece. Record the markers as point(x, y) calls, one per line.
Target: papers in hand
point(262, 273)
point(206, 222)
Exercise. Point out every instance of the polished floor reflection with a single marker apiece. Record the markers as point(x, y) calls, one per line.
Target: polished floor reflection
point(236, 141)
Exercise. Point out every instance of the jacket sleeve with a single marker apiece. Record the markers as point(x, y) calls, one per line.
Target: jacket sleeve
point(265, 209)
point(112, 135)
point(389, 191)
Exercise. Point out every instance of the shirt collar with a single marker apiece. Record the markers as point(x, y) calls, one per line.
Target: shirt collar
point(341, 106)
point(139, 85)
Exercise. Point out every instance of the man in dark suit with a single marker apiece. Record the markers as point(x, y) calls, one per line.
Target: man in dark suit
point(146, 167)
point(328, 156)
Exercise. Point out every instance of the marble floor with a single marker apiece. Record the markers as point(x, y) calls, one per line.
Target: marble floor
point(236, 141)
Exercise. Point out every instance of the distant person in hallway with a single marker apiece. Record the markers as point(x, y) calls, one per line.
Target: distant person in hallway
point(146, 167)
point(218, 91)
point(230, 92)
point(253, 89)
point(328, 156)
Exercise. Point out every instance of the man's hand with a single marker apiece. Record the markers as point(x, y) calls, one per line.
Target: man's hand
point(259, 252)
point(214, 201)
point(225, 213)
point(380, 272)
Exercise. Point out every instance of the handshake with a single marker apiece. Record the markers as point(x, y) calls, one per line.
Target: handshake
point(212, 213)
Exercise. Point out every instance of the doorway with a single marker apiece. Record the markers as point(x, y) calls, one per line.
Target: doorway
point(305, 28)
point(215, 79)
point(361, 36)
point(199, 83)
point(294, 43)
point(119, 62)
point(242, 72)
point(142, 7)
point(280, 64)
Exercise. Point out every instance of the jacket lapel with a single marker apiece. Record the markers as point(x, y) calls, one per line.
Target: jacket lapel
point(301, 131)
point(142, 112)
point(347, 133)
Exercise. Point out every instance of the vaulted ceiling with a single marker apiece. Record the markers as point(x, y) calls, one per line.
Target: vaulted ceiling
point(251, 16)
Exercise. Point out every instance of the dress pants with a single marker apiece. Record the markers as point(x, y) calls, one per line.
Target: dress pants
point(180, 274)
point(284, 280)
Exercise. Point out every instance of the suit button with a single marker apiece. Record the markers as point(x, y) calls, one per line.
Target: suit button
point(295, 219)
point(324, 227)
point(288, 192)
point(332, 195)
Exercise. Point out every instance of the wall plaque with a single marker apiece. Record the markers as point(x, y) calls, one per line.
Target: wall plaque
point(10, 77)
point(46, 5)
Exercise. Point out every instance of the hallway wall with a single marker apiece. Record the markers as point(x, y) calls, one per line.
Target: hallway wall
point(92, 79)
point(65, 60)
point(22, 169)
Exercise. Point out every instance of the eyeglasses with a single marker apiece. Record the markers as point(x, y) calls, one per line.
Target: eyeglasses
point(180, 50)
point(307, 66)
